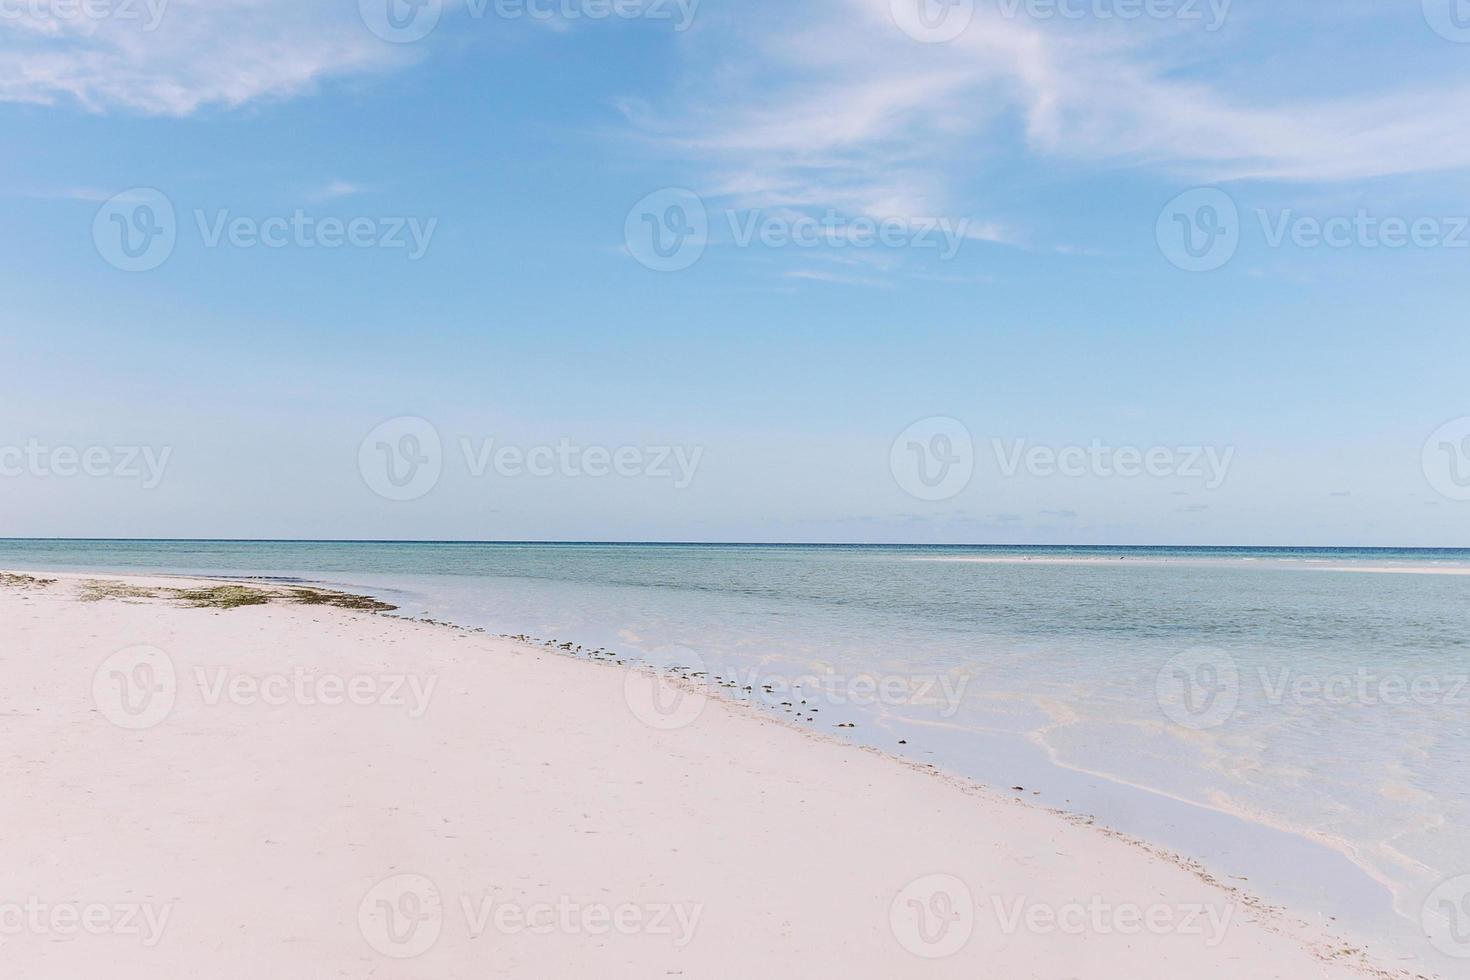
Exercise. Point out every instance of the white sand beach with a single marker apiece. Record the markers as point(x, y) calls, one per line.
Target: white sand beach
point(288, 790)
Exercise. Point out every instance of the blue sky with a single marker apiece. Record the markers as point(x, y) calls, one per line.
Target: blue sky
point(879, 225)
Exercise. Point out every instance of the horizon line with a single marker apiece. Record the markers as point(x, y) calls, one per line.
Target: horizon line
point(739, 544)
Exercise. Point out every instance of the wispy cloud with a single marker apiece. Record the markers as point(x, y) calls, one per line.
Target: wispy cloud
point(836, 278)
point(337, 189)
point(831, 105)
point(174, 58)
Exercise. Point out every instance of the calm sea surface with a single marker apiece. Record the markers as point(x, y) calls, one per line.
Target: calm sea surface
point(1299, 719)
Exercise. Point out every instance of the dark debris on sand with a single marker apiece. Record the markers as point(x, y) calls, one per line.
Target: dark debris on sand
point(13, 581)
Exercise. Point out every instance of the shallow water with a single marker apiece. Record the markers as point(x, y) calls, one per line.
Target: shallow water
point(1295, 718)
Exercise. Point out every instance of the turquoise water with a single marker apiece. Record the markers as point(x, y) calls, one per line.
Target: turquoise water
point(1293, 717)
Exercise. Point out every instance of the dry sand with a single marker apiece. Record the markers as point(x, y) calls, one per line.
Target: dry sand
point(186, 797)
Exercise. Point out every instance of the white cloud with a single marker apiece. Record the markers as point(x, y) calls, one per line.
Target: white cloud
point(820, 104)
point(175, 57)
point(338, 189)
point(835, 278)
point(831, 105)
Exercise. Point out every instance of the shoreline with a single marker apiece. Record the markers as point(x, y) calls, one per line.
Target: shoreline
point(1292, 864)
point(789, 753)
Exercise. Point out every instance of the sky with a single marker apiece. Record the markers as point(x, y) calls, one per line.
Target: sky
point(971, 271)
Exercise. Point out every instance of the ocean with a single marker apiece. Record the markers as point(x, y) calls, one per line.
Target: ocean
point(1294, 719)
